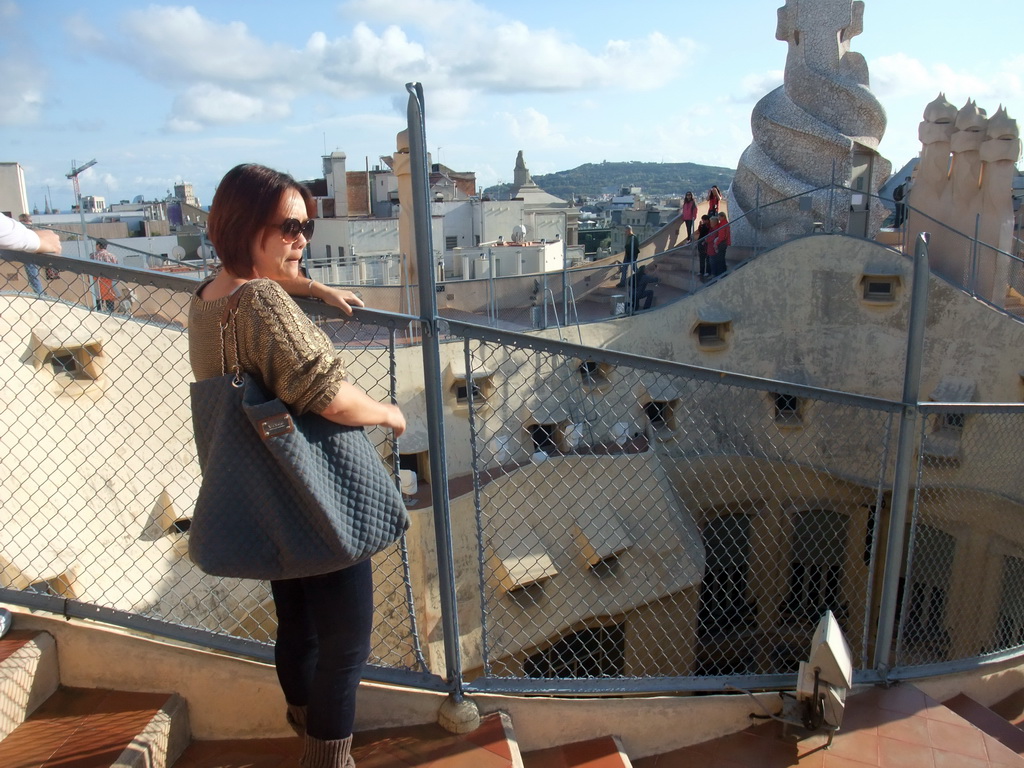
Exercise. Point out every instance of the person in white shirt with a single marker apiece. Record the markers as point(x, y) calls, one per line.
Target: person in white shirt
point(15, 236)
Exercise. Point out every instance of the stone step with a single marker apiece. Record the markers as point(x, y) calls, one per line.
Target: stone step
point(29, 675)
point(492, 745)
point(882, 727)
point(982, 717)
point(90, 728)
point(603, 752)
point(1011, 708)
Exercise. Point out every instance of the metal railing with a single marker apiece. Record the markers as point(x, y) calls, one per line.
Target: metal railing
point(615, 523)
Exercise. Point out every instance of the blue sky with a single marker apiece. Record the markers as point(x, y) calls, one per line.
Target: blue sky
point(163, 92)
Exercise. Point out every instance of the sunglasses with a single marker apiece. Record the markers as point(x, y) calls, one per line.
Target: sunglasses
point(292, 228)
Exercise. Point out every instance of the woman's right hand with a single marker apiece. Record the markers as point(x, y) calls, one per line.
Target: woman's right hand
point(395, 420)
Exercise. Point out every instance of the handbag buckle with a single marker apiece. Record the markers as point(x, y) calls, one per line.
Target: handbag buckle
point(276, 425)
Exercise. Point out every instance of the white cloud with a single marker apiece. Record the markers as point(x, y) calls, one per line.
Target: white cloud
point(460, 50)
point(179, 43)
point(209, 104)
point(21, 91)
point(533, 128)
point(754, 87)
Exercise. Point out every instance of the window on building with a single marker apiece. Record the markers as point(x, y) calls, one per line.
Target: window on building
point(925, 636)
point(725, 602)
point(662, 414)
point(479, 387)
point(787, 409)
point(594, 374)
point(880, 290)
point(545, 437)
point(816, 566)
point(417, 462)
point(942, 446)
point(451, 242)
point(589, 653)
point(712, 336)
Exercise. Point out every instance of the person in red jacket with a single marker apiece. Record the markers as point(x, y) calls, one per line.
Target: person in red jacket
point(689, 214)
point(721, 239)
point(714, 198)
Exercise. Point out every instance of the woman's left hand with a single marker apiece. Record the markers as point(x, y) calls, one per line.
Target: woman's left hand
point(341, 298)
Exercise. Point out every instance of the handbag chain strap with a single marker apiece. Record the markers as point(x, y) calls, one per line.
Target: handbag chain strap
point(230, 317)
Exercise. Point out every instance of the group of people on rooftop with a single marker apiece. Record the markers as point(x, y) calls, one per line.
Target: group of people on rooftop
point(713, 237)
point(713, 233)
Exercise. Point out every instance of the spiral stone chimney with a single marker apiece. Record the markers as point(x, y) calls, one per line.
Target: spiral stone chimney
point(822, 125)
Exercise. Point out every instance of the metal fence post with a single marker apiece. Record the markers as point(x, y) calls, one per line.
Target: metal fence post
point(757, 221)
point(904, 457)
point(974, 257)
point(432, 387)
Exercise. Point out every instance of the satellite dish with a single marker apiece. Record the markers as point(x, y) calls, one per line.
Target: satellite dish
point(177, 252)
point(518, 233)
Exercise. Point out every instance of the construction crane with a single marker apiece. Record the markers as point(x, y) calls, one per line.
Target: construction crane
point(78, 197)
point(74, 179)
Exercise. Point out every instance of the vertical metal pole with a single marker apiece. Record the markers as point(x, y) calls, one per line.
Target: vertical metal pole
point(973, 288)
point(831, 200)
point(904, 456)
point(492, 300)
point(757, 221)
point(432, 386)
point(544, 297)
point(565, 283)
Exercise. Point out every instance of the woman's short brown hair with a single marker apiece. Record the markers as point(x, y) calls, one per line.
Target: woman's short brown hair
point(245, 202)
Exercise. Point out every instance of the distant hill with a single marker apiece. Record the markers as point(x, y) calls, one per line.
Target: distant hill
point(654, 179)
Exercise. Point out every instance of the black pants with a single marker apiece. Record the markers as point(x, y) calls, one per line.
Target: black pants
point(718, 266)
point(901, 214)
point(689, 228)
point(628, 266)
point(323, 641)
point(647, 296)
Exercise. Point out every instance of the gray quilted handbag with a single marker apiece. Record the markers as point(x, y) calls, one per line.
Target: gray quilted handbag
point(284, 496)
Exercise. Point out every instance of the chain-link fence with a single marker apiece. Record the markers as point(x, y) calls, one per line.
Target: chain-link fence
point(961, 589)
point(99, 465)
point(616, 523)
point(651, 520)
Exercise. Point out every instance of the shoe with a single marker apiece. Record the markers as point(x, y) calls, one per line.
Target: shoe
point(6, 620)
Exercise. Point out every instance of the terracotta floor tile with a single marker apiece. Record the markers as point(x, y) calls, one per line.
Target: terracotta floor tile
point(951, 760)
point(491, 737)
point(245, 753)
point(999, 752)
point(833, 760)
point(893, 753)
point(862, 716)
point(960, 739)
point(861, 746)
point(430, 746)
point(942, 714)
point(902, 698)
point(910, 729)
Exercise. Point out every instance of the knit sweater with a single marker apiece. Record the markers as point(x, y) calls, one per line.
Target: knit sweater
point(277, 345)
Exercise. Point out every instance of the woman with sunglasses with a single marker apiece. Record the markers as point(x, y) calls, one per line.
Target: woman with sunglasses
point(260, 222)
